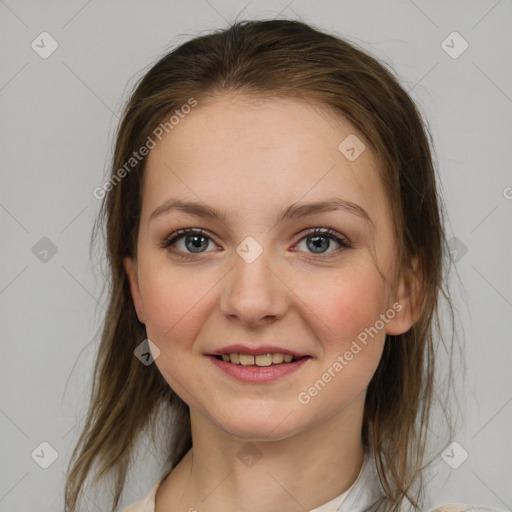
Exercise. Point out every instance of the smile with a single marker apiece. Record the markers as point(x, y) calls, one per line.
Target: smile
point(249, 368)
point(259, 360)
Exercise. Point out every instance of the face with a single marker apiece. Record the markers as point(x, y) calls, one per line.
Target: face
point(249, 274)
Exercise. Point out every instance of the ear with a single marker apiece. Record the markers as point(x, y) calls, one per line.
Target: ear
point(408, 300)
point(130, 266)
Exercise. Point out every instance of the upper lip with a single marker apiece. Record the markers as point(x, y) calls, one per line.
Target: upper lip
point(255, 351)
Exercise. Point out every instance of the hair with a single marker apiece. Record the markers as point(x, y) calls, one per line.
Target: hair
point(272, 59)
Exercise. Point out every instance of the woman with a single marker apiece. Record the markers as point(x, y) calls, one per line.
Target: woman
point(276, 247)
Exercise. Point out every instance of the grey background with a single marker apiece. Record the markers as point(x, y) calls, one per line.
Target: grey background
point(58, 119)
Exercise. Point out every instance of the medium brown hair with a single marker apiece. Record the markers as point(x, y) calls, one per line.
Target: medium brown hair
point(270, 59)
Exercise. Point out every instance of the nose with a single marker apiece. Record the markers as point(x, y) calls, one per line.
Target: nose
point(254, 294)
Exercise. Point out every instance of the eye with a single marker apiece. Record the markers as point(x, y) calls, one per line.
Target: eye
point(189, 239)
point(319, 240)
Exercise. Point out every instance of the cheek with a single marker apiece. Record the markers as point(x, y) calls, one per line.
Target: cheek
point(172, 306)
point(172, 301)
point(351, 307)
point(350, 304)
point(352, 346)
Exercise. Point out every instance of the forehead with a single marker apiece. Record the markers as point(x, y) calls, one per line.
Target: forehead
point(260, 156)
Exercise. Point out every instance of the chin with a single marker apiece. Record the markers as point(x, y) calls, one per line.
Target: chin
point(259, 425)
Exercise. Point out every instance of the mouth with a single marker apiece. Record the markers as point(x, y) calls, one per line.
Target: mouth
point(260, 360)
point(258, 368)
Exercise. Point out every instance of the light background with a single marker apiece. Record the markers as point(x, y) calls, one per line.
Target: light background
point(58, 119)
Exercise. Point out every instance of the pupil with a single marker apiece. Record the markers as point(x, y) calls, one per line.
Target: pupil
point(317, 243)
point(195, 243)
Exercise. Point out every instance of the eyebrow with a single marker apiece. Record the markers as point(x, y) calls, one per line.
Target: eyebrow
point(294, 211)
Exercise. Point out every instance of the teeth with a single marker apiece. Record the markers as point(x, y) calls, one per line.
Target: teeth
point(277, 358)
point(259, 360)
point(263, 360)
point(246, 359)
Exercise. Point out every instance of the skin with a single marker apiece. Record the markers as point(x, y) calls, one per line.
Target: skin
point(252, 159)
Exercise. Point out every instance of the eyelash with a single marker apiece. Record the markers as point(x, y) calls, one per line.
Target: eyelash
point(321, 232)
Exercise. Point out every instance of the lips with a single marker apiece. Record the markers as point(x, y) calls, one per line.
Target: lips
point(254, 374)
point(256, 351)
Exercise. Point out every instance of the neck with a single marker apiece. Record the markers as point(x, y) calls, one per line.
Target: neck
point(295, 474)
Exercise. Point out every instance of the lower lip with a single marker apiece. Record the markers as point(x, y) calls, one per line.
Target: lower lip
point(258, 373)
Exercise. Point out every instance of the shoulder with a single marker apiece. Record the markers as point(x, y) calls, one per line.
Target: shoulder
point(459, 507)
